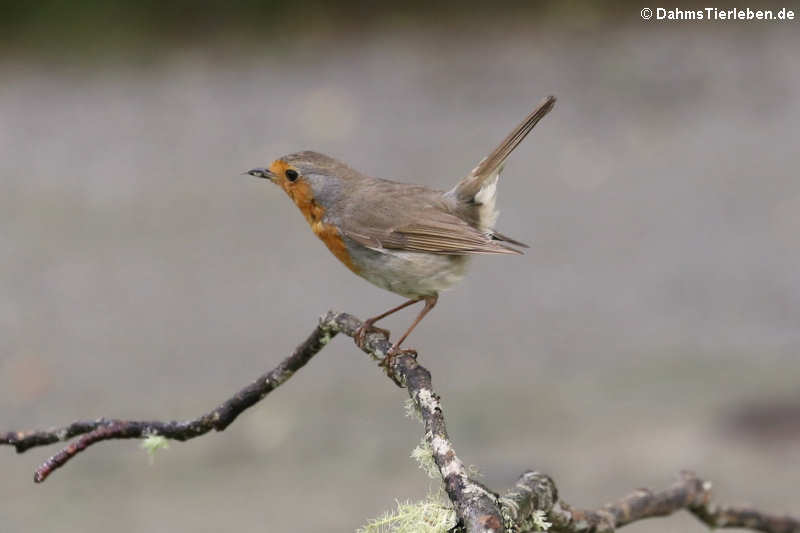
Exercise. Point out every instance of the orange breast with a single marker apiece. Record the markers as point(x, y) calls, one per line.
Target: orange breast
point(300, 192)
point(332, 238)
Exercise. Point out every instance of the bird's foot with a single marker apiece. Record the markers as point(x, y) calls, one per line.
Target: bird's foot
point(360, 337)
point(388, 362)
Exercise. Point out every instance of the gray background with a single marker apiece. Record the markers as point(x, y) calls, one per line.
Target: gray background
point(659, 303)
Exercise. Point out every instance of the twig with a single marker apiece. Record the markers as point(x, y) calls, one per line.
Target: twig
point(103, 429)
point(536, 491)
point(479, 510)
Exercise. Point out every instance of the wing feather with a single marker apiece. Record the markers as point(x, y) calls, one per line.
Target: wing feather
point(447, 234)
point(417, 219)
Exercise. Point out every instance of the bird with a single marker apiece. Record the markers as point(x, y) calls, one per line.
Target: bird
point(409, 239)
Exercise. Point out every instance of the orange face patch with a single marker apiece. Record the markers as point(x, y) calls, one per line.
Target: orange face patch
point(278, 169)
point(302, 195)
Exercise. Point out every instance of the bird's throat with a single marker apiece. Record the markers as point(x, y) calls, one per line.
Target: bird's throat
point(300, 192)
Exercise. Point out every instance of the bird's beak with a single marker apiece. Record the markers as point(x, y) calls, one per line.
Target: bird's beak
point(260, 173)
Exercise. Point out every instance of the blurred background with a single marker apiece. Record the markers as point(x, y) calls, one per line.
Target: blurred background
point(652, 327)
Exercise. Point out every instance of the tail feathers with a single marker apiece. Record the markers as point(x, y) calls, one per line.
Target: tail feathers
point(497, 236)
point(492, 164)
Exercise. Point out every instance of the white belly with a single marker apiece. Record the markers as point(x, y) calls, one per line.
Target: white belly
point(410, 274)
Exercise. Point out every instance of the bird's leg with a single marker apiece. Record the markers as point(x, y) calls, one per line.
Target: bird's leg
point(394, 351)
point(430, 303)
point(368, 324)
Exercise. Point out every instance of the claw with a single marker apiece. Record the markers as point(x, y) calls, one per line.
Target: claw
point(360, 337)
point(388, 362)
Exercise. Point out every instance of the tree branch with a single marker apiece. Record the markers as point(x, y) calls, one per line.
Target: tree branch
point(475, 505)
point(220, 418)
point(479, 510)
point(535, 491)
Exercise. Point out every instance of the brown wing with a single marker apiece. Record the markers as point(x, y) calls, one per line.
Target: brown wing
point(434, 231)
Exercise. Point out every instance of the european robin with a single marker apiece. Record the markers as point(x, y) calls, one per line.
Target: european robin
point(408, 239)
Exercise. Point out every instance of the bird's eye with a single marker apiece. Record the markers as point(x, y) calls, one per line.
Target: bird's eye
point(291, 174)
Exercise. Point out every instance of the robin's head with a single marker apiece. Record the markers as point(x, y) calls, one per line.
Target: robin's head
point(313, 180)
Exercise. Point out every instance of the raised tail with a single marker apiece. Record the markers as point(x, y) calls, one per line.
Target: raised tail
point(490, 166)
